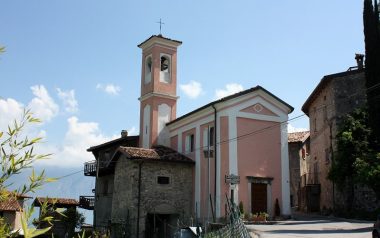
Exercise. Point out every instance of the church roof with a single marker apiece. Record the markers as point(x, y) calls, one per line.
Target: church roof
point(157, 153)
point(298, 136)
point(159, 37)
point(232, 97)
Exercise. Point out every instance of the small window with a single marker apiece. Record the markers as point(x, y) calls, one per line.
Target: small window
point(190, 143)
point(211, 136)
point(163, 180)
point(303, 153)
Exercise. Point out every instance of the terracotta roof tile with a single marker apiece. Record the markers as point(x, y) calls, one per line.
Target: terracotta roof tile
point(159, 153)
point(298, 136)
point(10, 204)
point(59, 202)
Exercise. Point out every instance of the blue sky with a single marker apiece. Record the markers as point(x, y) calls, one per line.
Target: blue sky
point(77, 64)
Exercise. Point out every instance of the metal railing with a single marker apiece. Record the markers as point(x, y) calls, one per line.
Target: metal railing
point(87, 202)
point(90, 168)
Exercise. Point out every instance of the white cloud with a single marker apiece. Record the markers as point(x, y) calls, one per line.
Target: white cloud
point(292, 129)
point(109, 88)
point(68, 99)
point(42, 105)
point(230, 89)
point(10, 110)
point(192, 89)
point(133, 131)
point(72, 152)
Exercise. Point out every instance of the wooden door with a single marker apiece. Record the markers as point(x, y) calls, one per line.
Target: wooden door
point(259, 197)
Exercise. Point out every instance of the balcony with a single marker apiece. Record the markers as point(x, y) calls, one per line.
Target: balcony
point(90, 168)
point(104, 169)
point(87, 202)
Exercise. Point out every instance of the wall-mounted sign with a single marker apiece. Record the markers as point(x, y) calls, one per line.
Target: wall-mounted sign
point(232, 179)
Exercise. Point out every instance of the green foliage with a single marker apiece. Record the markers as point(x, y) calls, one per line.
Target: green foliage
point(16, 155)
point(352, 145)
point(277, 211)
point(4, 227)
point(241, 207)
point(355, 161)
point(72, 219)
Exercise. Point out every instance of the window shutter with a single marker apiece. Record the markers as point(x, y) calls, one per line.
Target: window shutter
point(205, 137)
point(187, 144)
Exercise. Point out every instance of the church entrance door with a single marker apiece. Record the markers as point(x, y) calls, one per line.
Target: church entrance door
point(259, 197)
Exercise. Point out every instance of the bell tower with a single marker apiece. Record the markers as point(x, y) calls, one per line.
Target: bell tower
point(158, 98)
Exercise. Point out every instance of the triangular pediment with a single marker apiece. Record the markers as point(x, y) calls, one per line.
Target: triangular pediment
point(258, 108)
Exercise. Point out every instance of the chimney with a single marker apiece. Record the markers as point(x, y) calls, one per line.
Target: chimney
point(124, 133)
point(359, 60)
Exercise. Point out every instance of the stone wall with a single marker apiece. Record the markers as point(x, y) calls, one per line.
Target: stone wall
point(339, 96)
point(173, 198)
point(294, 171)
point(103, 201)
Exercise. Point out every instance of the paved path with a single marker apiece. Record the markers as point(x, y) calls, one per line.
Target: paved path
point(313, 228)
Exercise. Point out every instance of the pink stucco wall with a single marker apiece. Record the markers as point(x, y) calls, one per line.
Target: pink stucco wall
point(259, 155)
point(174, 142)
point(155, 84)
point(154, 102)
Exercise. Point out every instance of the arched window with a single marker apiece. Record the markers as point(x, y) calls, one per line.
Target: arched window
point(148, 69)
point(165, 69)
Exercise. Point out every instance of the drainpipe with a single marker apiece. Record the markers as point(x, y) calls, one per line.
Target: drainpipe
point(138, 201)
point(215, 155)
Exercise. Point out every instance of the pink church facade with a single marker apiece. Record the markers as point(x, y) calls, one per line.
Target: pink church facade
point(243, 135)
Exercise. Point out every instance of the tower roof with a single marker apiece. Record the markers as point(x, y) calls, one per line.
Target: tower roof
point(160, 39)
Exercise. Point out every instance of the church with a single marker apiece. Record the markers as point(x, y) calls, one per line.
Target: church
point(181, 170)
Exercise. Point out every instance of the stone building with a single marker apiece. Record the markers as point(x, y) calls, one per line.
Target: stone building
point(101, 202)
point(298, 143)
point(152, 186)
point(334, 97)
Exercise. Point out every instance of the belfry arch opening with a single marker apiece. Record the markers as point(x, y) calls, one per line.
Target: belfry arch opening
point(148, 69)
point(165, 69)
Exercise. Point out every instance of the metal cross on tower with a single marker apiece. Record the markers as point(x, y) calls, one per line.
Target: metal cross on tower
point(161, 23)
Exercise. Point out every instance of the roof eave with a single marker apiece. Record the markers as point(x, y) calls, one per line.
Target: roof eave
point(244, 92)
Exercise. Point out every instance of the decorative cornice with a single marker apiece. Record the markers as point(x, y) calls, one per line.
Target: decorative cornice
point(156, 94)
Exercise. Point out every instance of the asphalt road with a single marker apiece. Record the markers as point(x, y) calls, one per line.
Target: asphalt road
point(310, 228)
